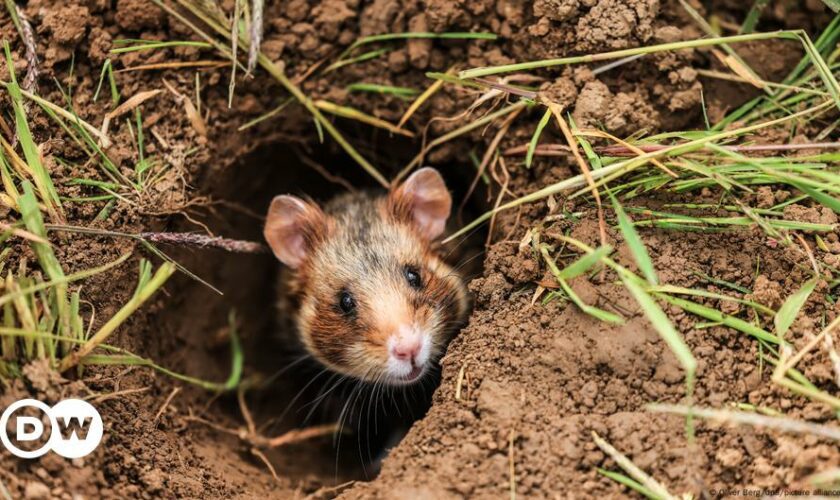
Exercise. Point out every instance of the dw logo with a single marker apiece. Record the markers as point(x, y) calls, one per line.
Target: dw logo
point(75, 428)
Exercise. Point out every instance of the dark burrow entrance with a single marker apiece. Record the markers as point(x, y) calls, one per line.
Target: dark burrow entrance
point(285, 391)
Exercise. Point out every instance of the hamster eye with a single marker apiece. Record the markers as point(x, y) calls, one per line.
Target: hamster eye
point(413, 277)
point(346, 302)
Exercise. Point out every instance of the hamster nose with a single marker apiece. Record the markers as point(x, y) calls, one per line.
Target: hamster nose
point(406, 349)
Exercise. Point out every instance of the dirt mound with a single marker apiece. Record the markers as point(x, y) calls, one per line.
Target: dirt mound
point(540, 379)
point(527, 382)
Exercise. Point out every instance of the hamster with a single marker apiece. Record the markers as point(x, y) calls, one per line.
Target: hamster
point(364, 282)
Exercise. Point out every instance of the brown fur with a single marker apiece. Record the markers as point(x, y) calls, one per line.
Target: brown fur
point(363, 245)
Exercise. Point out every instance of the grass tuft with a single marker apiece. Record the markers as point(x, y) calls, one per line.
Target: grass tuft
point(638, 288)
point(147, 285)
point(211, 19)
point(814, 55)
point(42, 318)
point(34, 166)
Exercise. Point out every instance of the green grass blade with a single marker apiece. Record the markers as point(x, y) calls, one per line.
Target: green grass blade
point(634, 242)
point(10, 7)
point(654, 486)
point(584, 263)
point(748, 26)
point(822, 68)
point(128, 358)
point(276, 72)
point(630, 483)
point(594, 160)
point(718, 317)
point(833, 4)
point(108, 70)
point(274, 112)
point(143, 276)
point(35, 224)
point(593, 311)
point(373, 54)
point(826, 42)
point(678, 290)
point(9, 296)
point(417, 34)
point(665, 329)
point(105, 66)
point(821, 198)
point(787, 313)
point(599, 314)
point(154, 44)
point(382, 89)
point(532, 146)
point(163, 273)
point(40, 175)
point(615, 170)
point(619, 54)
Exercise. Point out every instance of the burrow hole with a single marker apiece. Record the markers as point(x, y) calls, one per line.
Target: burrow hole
point(288, 397)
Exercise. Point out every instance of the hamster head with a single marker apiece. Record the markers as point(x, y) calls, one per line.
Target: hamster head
point(371, 295)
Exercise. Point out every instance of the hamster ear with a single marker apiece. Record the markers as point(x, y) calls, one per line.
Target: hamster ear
point(291, 228)
point(424, 198)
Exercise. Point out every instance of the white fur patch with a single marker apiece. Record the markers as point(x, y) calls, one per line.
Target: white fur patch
point(399, 368)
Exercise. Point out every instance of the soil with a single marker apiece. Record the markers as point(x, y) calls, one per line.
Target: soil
point(525, 384)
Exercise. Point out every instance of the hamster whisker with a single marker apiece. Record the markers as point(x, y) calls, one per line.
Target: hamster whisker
point(278, 373)
point(374, 394)
point(462, 240)
point(463, 262)
point(300, 393)
point(344, 415)
point(322, 394)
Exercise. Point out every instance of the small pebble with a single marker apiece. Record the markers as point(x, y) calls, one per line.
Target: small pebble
point(36, 490)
